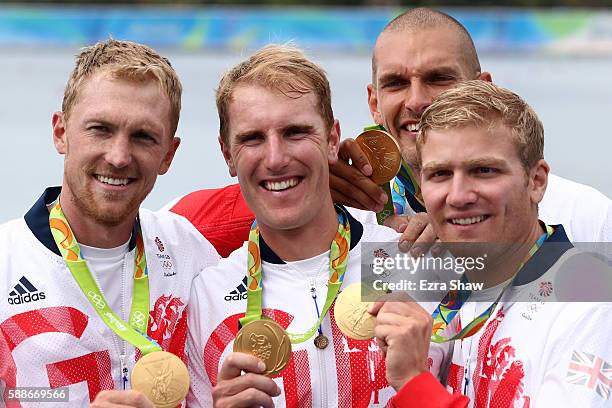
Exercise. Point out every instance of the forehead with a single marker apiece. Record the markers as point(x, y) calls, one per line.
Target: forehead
point(254, 107)
point(418, 51)
point(126, 101)
point(468, 143)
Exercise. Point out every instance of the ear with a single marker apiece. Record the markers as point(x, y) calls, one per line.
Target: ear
point(333, 144)
point(165, 164)
point(538, 180)
point(59, 132)
point(485, 76)
point(373, 104)
point(227, 155)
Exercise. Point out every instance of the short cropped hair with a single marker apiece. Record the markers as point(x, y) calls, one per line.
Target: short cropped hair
point(423, 18)
point(282, 68)
point(482, 103)
point(127, 60)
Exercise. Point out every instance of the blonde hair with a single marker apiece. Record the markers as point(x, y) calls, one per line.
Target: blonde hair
point(128, 60)
point(282, 68)
point(483, 103)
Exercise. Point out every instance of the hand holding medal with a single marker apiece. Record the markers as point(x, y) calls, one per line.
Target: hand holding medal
point(266, 340)
point(383, 153)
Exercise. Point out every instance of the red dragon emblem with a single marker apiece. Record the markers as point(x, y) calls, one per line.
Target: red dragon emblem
point(168, 324)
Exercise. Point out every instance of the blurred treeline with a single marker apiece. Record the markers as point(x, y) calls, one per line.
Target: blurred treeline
point(343, 3)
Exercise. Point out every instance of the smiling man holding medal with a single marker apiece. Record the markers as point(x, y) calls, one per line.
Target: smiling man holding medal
point(96, 288)
point(267, 310)
point(538, 334)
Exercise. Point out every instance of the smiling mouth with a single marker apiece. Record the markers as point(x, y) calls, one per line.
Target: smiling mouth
point(468, 221)
point(411, 127)
point(112, 181)
point(281, 185)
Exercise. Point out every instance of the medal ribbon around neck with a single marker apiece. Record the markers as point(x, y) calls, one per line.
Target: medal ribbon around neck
point(451, 304)
point(338, 259)
point(134, 332)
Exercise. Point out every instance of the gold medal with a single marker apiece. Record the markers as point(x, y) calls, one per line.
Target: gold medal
point(382, 152)
point(162, 377)
point(321, 341)
point(352, 315)
point(266, 340)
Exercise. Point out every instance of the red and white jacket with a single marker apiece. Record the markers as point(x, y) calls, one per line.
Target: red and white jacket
point(51, 336)
point(534, 351)
point(348, 373)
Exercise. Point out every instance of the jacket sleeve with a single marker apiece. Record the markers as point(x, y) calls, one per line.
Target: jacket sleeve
point(424, 391)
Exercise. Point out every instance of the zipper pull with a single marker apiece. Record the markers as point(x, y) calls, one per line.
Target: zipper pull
point(467, 381)
point(313, 289)
point(124, 371)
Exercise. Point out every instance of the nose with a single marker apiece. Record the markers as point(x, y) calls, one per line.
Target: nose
point(276, 155)
point(462, 192)
point(418, 98)
point(119, 153)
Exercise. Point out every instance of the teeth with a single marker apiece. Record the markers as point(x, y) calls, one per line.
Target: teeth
point(468, 221)
point(113, 181)
point(280, 185)
point(413, 127)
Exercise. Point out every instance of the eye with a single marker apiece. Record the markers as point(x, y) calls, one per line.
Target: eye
point(486, 170)
point(438, 174)
point(392, 83)
point(442, 79)
point(98, 128)
point(144, 136)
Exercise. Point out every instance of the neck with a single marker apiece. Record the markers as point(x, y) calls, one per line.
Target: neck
point(507, 263)
point(306, 241)
point(89, 231)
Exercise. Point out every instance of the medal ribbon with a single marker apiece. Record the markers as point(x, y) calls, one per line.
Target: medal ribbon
point(134, 332)
point(451, 304)
point(338, 259)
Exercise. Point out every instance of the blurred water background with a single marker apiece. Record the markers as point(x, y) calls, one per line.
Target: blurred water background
point(560, 61)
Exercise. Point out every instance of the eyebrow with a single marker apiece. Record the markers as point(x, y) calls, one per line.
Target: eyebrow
point(441, 70)
point(433, 166)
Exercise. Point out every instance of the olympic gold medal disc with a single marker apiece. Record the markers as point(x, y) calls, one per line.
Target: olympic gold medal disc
point(382, 152)
point(352, 315)
point(266, 340)
point(162, 377)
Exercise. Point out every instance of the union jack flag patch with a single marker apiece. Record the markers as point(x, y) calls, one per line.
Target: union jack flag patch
point(546, 288)
point(590, 371)
point(380, 253)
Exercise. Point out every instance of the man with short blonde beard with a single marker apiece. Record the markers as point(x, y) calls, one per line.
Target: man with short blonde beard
point(85, 259)
point(518, 342)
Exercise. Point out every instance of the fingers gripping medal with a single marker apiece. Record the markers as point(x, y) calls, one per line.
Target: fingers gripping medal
point(352, 315)
point(385, 157)
point(266, 340)
point(382, 152)
point(162, 377)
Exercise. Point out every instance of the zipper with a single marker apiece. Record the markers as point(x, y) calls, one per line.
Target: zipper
point(320, 355)
point(124, 371)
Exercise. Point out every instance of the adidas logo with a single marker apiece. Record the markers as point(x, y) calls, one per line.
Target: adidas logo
point(24, 292)
point(240, 293)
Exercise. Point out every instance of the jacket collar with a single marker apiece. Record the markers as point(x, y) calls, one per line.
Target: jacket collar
point(545, 257)
point(268, 255)
point(37, 219)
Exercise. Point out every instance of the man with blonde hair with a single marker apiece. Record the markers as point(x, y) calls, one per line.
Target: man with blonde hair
point(85, 259)
point(518, 342)
point(278, 136)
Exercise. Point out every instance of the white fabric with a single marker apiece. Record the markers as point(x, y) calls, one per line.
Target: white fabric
point(584, 212)
point(346, 373)
point(60, 340)
point(521, 358)
point(107, 267)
